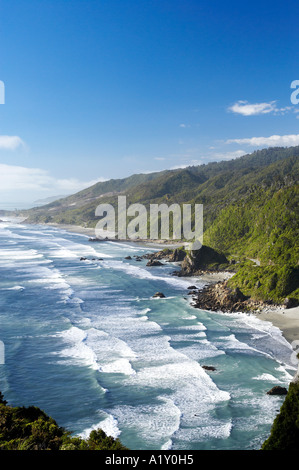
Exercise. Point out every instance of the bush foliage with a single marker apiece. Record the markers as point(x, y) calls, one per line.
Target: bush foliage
point(30, 428)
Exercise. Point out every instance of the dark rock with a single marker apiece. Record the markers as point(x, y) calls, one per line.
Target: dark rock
point(83, 259)
point(159, 294)
point(192, 292)
point(128, 257)
point(97, 239)
point(237, 295)
point(192, 287)
point(167, 254)
point(209, 367)
point(202, 259)
point(177, 255)
point(154, 263)
point(290, 302)
point(219, 297)
point(277, 390)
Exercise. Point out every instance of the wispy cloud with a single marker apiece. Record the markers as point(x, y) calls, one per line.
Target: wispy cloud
point(227, 155)
point(272, 141)
point(184, 126)
point(10, 142)
point(253, 109)
point(18, 178)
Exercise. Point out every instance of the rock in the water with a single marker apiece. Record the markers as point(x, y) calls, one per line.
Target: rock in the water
point(277, 390)
point(128, 257)
point(159, 294)
point(208, 367)
point(192, 287)
point(154, 263)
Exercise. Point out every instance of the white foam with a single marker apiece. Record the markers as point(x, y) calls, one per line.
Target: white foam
point(98, 350)
point(152, 423)
point(267, 377)
point(109, 425)
point(144, 273)
point(78, 351)
point(14, 288)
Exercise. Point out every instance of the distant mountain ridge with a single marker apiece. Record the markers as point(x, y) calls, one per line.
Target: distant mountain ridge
point(215, 185)
point(250, 212)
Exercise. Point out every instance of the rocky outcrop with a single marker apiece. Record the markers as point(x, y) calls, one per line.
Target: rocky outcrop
point(290, 302)
point(277, 390)
point(159, 295)
point(154, 262)
point(167, 254)
point(219, 297)
point(177, 255)
point(205, 259)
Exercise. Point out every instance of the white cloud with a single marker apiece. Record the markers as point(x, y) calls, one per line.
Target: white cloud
point(10, 142)
point(184, 125)
point(187, 164)
point(14, 179)
point(272, 141)
point(253, 109)
point(228, 155)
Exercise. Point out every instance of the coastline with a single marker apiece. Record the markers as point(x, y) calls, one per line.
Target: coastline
point(287, 320)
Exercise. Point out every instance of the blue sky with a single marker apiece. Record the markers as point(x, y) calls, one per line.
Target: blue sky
point(100, 89)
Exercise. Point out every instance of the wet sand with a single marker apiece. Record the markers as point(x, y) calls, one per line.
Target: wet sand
point(287, 320)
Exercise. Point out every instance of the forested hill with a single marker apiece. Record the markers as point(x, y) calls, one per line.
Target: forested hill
point(250, 212)
point(216, 185)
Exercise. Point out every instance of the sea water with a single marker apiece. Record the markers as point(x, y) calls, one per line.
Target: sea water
point(86, 342)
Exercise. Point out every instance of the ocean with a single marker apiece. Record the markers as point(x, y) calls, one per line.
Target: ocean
point(87, 343)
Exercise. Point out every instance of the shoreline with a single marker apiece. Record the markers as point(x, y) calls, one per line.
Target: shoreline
point(287, 320)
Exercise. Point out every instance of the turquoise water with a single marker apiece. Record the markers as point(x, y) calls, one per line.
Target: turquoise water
point(86, 342)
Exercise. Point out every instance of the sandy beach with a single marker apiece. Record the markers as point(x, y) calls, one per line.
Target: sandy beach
point(287, 320)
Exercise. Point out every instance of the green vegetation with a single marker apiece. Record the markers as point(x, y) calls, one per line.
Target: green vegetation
point(270, 283)
point(251, 227)
point(31, 429)
point(215, 185)
point(250, 212)
point(285, 430)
